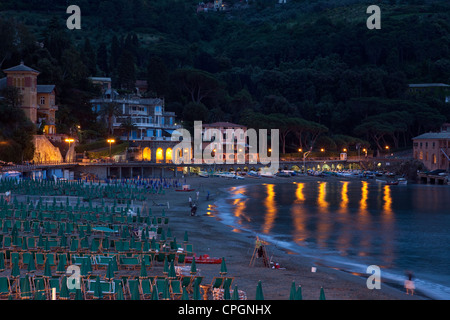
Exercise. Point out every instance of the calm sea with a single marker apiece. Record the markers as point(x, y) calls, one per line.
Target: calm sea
point(353, 224)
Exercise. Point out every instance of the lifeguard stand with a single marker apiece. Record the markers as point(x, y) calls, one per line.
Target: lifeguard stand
point(260, 252)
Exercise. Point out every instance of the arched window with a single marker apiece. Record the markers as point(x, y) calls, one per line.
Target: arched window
point(147, 154)
point(159, 155)
point(169, 155)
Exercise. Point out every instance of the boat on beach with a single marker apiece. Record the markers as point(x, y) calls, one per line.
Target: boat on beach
point(203, 174)
point(205, 259)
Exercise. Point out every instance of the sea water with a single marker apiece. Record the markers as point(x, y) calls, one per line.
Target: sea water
point(351, 225)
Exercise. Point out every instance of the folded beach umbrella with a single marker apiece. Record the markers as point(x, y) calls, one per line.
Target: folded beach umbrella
point(15, 271)
point(119, 291)
point(184, 295)
point(196, 294)
point(172, 274)
point(193, 266)
point(61, 267)
point(2, 262)
point(226, 291)
point(298, 294)
point(109, 271)
point(31, 263)
point(223, 268)
point(135, 292)
point(98, 292)
point(322, 294)
point(186, 238)
point(259, 291)
point(47, 269)
point(24, 244)
point(26, 289)
point(235, 295)
point(166, 291)
point(155, 295)
point(143, 274)
point(78, 294)
point(39, 291)
point(293, 291)
point(64, 293)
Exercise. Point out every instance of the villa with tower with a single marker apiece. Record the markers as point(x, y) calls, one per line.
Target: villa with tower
point(37, 101)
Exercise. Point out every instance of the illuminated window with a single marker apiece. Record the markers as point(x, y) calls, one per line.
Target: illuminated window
point(434, 159)
point(159, 155)
point(421, 155)
point(169, 155)
point(147, 154)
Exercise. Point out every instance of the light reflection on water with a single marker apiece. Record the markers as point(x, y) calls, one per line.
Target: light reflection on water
point(396, 227)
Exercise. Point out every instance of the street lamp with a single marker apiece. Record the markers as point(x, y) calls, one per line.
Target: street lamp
point(69, 141)
point(322, 150)
point(110, 141)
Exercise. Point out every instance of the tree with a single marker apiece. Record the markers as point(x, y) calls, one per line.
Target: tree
point(157, 76)
point(197, 84)
point(126, 71)
point(108, 112)
point(128, 126)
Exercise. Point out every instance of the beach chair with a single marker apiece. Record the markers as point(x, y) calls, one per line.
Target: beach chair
point(176, 289)
point(5, 287)
point(54, 282)
point(148, 259)
point(186, 281)
point(25, 289)
point(39, 286)
point(14, 256)
point(181, 258)
point(196, 280)
point(131, 287)
point(40, 260)
point(227, 281)
point(129, 262)
point(107, 287)
point(146, 288)
point(217, 282)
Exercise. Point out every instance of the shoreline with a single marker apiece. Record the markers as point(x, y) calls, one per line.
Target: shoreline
point(210, 235)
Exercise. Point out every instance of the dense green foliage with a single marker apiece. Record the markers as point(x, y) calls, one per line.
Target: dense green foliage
point(16, 131)
point(315, 62)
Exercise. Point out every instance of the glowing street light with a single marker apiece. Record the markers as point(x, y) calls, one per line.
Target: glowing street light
point(300, 150)
point(345, 150)
point(69, 141)
point(110, 141)
point(322, 150)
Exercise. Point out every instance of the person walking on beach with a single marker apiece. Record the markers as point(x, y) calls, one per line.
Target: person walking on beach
point(190, 202)
point(409, 283)
point(193, 210)
point(198, 194)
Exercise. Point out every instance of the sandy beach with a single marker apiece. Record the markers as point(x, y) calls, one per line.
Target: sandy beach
point(211, 236)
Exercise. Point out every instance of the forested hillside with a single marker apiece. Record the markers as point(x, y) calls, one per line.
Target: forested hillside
point(314, 62)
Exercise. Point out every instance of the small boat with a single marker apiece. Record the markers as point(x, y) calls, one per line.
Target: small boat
point(203, 174)
point(283, 174)
point(402, 181)
point(392, 183)
point(206, 259)
point(185, 188)
point(253, 174)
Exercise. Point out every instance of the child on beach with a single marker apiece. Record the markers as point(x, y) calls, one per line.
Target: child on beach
point(409, 284)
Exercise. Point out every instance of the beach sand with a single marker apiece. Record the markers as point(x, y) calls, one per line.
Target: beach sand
point(209, 235)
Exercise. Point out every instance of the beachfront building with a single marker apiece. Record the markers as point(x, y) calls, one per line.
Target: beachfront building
point(37, 101)
point(433, 149)
point(237, 143)
point(152, 126)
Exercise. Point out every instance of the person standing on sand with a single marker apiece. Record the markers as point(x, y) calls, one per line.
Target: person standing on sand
point(198, 194)
point(190, 202)
point(409, 283)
